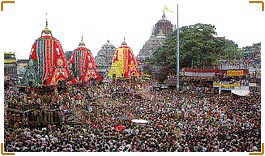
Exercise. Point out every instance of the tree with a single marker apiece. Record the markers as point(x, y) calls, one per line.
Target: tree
point(199, 48)
point(231, 51)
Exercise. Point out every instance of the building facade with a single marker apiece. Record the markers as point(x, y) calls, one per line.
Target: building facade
point(10, 64)
point(21, 66)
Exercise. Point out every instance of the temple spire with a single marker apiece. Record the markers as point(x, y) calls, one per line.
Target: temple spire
point(164, 15)
point(82, 43)
point(46, 30)
point(46, 14)
point(124, 42)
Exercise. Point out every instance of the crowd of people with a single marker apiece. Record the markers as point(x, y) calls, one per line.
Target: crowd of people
point(98, 118)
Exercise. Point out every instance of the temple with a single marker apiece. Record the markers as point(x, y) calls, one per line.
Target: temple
point(104, 57)
point(160, 31)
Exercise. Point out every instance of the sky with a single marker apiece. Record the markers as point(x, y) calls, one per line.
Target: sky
point(102, 20)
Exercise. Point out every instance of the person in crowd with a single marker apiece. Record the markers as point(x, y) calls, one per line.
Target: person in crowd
point(177, 122)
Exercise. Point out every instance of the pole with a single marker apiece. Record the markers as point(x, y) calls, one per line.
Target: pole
point(177, 54)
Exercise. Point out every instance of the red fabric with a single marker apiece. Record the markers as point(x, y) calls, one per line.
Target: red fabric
point(55, 65)
point(119, 128)
point(160, 126)
point(87, 65)
point(33, 52)
point(59, 60)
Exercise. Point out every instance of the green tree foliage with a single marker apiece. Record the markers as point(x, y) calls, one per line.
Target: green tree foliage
point(231, 51)
point(199, 48)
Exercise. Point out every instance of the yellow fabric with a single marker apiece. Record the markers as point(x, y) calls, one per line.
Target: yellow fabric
point(167, 9)
point(232, 85)
point(235, 73)
point(117, 67)
point(124, 65)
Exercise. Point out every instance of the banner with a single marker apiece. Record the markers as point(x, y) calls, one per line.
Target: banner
point(226, 85)
point(196, 74)
point(252, 85)
point(200, 72)
point(236, 72)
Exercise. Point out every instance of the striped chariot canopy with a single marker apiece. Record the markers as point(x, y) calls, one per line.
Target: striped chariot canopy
point(47, 62)
point(83, 65)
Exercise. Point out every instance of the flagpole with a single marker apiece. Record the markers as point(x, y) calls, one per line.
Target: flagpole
point(177, 54)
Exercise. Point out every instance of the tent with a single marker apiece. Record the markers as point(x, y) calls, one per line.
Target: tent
point(124, 64)
point(47, 62)
point(241, 91)
point(83, 65)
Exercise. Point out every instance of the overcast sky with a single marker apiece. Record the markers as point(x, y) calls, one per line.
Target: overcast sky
point(102, 20)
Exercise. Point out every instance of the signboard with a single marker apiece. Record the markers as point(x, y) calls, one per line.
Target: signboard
point(226, 86)
point(200, 72)
point(252, 85)
point(196, 74)
point(236, 72)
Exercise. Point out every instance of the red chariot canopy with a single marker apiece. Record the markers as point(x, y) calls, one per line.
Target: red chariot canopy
point(49, 60)
point(83, 65)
